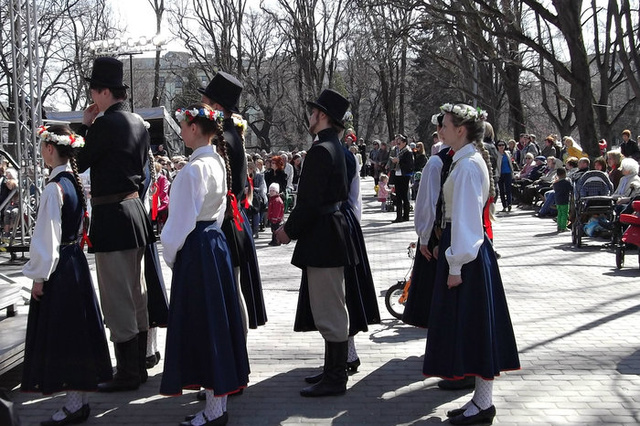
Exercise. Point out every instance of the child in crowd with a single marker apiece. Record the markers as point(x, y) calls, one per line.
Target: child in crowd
point(563, 188)
point(66, 347)
point(206, 344)
point(383, 191)
point(275, 212)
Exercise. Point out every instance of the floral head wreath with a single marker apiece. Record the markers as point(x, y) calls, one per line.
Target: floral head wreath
point(72, 140)
point(239, 122)
point(188, 115)
point(466, 112)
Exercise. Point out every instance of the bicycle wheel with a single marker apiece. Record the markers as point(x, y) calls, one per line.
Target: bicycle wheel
point(395, 308)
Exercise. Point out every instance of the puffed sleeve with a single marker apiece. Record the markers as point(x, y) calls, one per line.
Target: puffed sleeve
point(427, 198)
point(44, 251)
point(185, 202)
point(467, 230)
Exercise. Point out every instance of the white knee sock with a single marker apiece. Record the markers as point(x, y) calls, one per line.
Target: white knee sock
point(73, 403)
point(152, 346)
point(353, 354)
point(482, 397)
point(214, 408)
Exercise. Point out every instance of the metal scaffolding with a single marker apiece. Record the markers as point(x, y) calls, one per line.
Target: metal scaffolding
point(27, 109)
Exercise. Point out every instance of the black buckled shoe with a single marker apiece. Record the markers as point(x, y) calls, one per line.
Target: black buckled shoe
point(218, 421)
point(484, 417)
point(352, 366)
point(76, 417)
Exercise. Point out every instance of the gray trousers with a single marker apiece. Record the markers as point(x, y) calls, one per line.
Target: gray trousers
point(123, 293)
point(328, 303)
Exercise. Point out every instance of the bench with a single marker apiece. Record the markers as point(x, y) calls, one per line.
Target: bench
point(13, 328)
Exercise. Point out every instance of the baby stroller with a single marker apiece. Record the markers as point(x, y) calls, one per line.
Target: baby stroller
point(592, 200)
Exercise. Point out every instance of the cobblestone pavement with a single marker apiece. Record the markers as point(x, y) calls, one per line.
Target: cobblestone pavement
point(576, 319)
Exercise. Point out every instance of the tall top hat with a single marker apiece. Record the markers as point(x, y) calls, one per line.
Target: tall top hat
point(333, 104)
point(224, 89)
point(107, 72)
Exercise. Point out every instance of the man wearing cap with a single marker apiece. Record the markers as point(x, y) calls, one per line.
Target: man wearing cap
point(323, 248)
point(117, 146)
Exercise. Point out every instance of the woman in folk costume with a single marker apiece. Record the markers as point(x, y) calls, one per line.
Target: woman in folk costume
point(428, 226)
point(470, 331)
point(206, 344)
point(66, 347)
point(360, 292)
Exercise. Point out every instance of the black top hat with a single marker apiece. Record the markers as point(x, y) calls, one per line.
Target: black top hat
point(333, 104)
point(224, 89)
point(107, 72)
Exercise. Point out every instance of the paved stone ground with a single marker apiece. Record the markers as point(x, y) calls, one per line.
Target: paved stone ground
point(576, 321)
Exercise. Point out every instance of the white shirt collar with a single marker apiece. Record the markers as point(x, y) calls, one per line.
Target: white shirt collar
point(465, 151)
point(201, 151)
point(59, 169)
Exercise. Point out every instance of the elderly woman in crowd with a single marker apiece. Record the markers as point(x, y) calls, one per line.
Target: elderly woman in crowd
point(629, 186)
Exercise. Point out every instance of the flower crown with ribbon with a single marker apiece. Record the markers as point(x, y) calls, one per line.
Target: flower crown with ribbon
point(188, 115)
point(466, 112)
point(72, 140)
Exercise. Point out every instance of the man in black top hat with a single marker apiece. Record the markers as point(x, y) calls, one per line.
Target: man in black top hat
point(323, 248)
point(117, 146)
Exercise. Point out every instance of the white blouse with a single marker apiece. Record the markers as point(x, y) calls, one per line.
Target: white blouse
point(197, 194)
point(466, 191)
point(427, 197)
point(44, 251)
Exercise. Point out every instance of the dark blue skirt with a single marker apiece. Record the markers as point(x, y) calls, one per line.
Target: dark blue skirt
point(470, 331)
point(360, 292)
point(250, 282)
point(66, 347)
point(418, 304)
point(205, 337)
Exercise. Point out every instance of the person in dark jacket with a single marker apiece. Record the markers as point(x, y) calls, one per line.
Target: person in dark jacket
point(629, 147)
point(324, 248)
point(117, 146)
point(403, 173)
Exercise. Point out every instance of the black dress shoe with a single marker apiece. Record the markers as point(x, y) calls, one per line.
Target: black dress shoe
point(468, 382)
point(352, 366)
point(218, 421)
point(483, 417)
point(76, 417)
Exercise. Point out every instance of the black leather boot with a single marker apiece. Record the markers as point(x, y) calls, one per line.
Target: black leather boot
point(127, 376)
point(334, 376)
point(142, 356)
point(352, 367)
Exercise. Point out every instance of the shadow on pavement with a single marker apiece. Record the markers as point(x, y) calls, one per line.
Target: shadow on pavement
point(395, 393)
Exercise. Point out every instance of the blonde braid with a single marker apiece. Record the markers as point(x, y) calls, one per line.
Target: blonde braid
point(86, 220)
point(485, 156)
